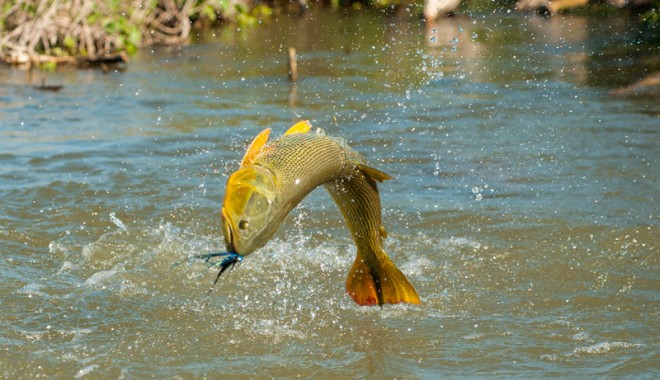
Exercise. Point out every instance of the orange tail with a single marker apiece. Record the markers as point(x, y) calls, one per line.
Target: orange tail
point(378, 284)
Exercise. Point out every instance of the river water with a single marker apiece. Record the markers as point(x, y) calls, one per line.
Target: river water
point(524, 210)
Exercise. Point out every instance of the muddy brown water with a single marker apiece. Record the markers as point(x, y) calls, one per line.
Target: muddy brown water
point(524, 209)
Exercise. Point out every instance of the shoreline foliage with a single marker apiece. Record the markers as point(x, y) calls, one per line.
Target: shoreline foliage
point(76, 31)
point(49, 32)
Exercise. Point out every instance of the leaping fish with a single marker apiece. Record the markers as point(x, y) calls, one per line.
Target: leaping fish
point(275, 176)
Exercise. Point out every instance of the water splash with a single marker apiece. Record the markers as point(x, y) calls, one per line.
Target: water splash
point(114, 219)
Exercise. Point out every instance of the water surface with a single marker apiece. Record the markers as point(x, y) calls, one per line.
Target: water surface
point(524, 209)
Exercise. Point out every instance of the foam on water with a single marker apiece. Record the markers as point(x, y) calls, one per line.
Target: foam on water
point(31, 290)
point(86, 371)
point(118, 222)
point(101, 277)
point(604, 347)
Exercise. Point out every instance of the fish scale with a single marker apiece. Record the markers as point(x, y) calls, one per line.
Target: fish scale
point(291, 158)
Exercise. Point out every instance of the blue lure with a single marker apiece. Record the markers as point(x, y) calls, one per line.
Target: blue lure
point(228, 262)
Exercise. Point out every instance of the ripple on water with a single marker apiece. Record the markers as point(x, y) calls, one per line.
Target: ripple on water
point(604, 348)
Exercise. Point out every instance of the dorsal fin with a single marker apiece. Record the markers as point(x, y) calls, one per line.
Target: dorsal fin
point(255, 147)
point(374, 173)
point(300, 127)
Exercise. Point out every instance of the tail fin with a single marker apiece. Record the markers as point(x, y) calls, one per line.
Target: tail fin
point(378, 284)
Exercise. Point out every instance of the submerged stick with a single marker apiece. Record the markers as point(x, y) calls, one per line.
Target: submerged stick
point(293, 65)
point(48, 87)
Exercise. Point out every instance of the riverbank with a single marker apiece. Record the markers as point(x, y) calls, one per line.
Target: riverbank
point(99, 32)
point(52, 32)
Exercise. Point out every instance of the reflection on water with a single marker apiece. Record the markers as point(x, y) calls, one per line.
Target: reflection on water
point(523, 209)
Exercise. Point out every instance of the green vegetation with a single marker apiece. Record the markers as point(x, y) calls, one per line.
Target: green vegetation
point(54, 31)
point(652, 16)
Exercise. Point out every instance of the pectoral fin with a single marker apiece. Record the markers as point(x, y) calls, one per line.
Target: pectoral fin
point(255, 147)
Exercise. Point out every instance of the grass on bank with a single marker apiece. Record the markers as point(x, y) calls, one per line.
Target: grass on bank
point(71, 31)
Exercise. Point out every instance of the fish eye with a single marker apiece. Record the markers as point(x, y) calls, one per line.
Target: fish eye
point(243, 224)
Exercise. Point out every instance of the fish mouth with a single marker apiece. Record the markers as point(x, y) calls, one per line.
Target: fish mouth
point(227, 231)
point(230, 246)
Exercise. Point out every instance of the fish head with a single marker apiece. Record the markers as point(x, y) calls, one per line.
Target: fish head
point(248, 209)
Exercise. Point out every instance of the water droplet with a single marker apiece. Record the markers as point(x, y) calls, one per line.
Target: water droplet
point(475, 190)
point(454, 40)
point(114, 219)
point(474, 35)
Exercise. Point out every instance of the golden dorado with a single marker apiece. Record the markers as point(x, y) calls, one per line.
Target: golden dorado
point(275, 176)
